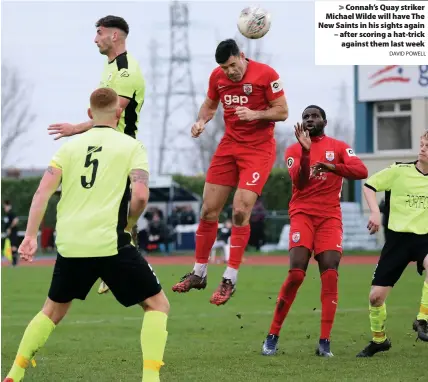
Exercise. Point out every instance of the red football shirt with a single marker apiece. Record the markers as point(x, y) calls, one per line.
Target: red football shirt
point(320, 195)
point(260, 85)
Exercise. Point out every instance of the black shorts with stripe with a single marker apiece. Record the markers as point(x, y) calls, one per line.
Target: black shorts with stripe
point(400, 249)
point(129, 276)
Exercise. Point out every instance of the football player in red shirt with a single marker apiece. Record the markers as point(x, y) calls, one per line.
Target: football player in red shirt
point(317, 165)
point(253, 100)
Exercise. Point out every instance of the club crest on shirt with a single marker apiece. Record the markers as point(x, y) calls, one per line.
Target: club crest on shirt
point(329, 155)
point(295, 237)
point(248, 89)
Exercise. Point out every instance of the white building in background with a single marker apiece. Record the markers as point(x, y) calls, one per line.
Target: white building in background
point(391, 113)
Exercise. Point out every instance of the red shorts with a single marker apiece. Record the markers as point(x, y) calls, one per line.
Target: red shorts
point(241, 166)
point(318, 234)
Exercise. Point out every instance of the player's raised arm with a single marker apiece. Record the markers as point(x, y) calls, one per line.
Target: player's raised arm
point(208, 108)
point(61, 130)
point(67, 129)
point(139, 176)
point(48, 185)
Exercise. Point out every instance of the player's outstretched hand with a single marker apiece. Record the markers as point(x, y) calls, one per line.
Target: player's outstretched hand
point(302, 136)
point(245, 114)
point(61, 130)
point(28, 248)
point(320, 167)
point(197, 129)
point(374, 222)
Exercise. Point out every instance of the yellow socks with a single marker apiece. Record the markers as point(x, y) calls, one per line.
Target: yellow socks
point(423, 311)
point(377, 323)
point(153, 341)
point(35, 336)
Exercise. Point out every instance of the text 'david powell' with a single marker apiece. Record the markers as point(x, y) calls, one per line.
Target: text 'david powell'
point(371, 32)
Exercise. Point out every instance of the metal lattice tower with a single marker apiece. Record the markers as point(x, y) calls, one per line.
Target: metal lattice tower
point(342, 126)
point(180, 98)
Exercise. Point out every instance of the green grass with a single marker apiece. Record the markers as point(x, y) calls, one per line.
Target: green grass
point(248, 252)
point(100, 340)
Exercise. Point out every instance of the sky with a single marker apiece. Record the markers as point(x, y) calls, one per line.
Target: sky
point(51, 46)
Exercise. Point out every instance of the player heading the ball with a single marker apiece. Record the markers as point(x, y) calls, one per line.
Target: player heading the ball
point(253, 100)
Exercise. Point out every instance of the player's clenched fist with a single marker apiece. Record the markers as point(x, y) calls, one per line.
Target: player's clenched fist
point(374, 222)
point(302, 136)
point(197, 129)
point(245, 114)
point(61, 130)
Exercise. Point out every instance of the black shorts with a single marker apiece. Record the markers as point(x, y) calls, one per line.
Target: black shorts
point(128, 275)
point(399, 250)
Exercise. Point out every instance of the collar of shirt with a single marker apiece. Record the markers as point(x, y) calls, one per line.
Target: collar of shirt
point(317, 138)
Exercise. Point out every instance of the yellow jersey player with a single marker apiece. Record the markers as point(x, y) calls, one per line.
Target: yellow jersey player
point(121, 73)
point(93, 238)
point(406, 198)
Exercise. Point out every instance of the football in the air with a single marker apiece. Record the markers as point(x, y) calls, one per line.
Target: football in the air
point(254, 22)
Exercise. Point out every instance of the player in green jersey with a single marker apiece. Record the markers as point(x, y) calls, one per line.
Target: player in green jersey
point(121, 73)
point(93, 238)
point(406, 189)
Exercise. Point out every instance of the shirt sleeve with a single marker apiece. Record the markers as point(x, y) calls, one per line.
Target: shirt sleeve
point(139, 159)
point(212, 87)
point(273, 85)
point(298, 166)
point(382, 180)
point(352, 167)
point(59, 159)
point(125, 83)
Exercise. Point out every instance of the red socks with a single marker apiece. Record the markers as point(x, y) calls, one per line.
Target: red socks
point(329, 297)
point(287, 294)
point(238, 243)
point(205, 238)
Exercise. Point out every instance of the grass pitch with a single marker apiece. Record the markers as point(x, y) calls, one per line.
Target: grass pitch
point(100, 340)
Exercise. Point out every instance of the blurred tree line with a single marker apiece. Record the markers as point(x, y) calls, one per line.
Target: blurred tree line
point(276, 194)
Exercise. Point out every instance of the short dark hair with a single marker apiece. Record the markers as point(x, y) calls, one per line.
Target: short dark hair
point(321, 110)
point(7, 202)
point(226, 49)
point(113, 22)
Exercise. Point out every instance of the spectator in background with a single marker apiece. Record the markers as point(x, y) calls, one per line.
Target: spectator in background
point(187, 215)
point(174, 218)
point(11, 228)
point(142, 232)
point(158, 232)
point(257, 223)
point(223, 241)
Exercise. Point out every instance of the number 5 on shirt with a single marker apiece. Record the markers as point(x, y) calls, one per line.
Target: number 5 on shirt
point(91, 162)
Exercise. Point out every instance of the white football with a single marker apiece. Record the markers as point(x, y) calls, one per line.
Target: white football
point(254, 22)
